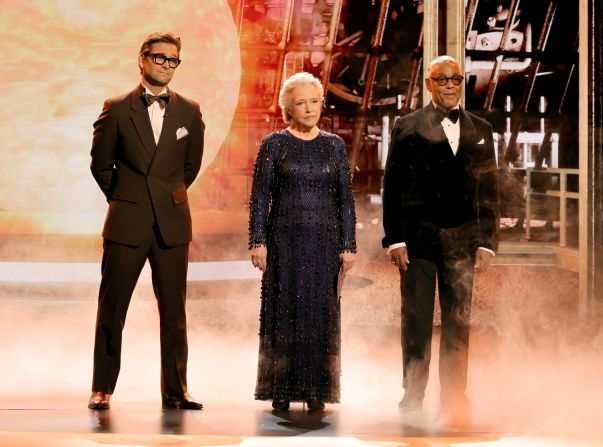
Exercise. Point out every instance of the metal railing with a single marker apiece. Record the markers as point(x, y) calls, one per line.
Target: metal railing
point(563, 194)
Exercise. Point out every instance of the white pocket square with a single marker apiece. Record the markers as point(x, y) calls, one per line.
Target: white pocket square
point(181, 133)
point(481, 141)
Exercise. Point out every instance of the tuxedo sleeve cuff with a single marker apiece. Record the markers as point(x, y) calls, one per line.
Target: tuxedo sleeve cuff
point(394, 246)
point(488, 250)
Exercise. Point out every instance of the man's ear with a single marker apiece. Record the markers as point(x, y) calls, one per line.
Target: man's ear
point(428, 84)
point(140, 56)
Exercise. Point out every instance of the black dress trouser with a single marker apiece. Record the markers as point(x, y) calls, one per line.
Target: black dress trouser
point(121, 267)
point(451, 262)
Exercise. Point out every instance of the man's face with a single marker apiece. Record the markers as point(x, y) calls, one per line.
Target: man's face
point(158, 75)
point(448, 95)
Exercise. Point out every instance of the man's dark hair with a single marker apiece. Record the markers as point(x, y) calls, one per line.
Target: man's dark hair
point(159, 36)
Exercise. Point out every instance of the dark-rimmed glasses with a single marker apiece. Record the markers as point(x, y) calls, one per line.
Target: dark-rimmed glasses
point(442, 80)
point(161, 59)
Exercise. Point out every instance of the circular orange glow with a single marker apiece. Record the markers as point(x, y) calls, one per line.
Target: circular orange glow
point(62, 59)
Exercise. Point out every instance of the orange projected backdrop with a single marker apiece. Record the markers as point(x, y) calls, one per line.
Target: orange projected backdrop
point(63, 58)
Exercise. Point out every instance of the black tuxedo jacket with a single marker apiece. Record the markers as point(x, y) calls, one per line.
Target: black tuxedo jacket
point(145, 183)
point(427, 187)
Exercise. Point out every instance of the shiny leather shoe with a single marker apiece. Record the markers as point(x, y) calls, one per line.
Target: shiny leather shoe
point(99, 401)
point(184, 402)
point(281, 405)
point(316, 405)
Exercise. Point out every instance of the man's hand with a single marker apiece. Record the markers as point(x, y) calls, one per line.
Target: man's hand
point(399, 257)
point(258, 257)
point(482, 260)
point(347, 260)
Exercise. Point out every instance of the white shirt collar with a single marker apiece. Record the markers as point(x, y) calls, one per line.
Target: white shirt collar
point(148, 90)
point(458, 106)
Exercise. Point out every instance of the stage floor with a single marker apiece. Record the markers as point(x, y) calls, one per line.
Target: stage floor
point(63, 422)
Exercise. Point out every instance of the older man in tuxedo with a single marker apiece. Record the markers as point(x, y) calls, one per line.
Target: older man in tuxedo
point(146, 152)
point(440, 216)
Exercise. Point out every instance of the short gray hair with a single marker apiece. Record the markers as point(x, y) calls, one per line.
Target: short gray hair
point(445, 59)
point(290, 84)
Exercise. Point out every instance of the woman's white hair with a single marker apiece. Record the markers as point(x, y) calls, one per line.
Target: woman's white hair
point(290, 84)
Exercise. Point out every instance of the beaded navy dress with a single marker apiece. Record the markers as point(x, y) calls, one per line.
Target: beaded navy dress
point(302, 209)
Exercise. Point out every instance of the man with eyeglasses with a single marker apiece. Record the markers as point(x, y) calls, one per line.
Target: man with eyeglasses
point(146, 152)
point(440, 216)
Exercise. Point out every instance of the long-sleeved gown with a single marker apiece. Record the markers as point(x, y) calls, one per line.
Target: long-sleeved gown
point(302, 209)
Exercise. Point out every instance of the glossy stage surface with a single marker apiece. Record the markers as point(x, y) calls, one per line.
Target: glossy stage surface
point(63, 422)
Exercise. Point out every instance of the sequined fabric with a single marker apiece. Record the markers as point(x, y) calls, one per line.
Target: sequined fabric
point(302, 209)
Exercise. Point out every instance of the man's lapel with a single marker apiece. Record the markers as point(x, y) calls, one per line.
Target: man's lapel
point(141, 120)
point(468, 136)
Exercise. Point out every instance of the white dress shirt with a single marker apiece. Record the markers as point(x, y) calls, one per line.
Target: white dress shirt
point(453, 132)
point(156, 111)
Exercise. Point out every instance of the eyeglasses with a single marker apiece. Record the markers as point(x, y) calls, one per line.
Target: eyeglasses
point(442, 80)
point(161, 59)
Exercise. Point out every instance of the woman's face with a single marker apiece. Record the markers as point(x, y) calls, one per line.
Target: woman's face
point(305, 107)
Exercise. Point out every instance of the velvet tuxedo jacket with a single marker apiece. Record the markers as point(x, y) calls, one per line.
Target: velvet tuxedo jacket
point(426, 187)
point(146, 183)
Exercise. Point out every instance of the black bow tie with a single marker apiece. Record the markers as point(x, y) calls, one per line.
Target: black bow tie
point(452, 114)
point(149, 99)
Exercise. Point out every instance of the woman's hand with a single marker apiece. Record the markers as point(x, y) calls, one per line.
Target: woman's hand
point(347, 260)
point(258, 257)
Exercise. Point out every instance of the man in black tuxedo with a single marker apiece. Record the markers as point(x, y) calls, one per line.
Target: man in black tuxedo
point(146, 152)
point(440, 215)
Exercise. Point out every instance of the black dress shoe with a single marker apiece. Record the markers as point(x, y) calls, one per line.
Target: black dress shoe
point(316, 405)
point(99, 401)
point(280, 404)
point(184, 402)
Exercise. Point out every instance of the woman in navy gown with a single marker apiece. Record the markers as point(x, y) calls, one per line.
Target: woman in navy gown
point(301, 234)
